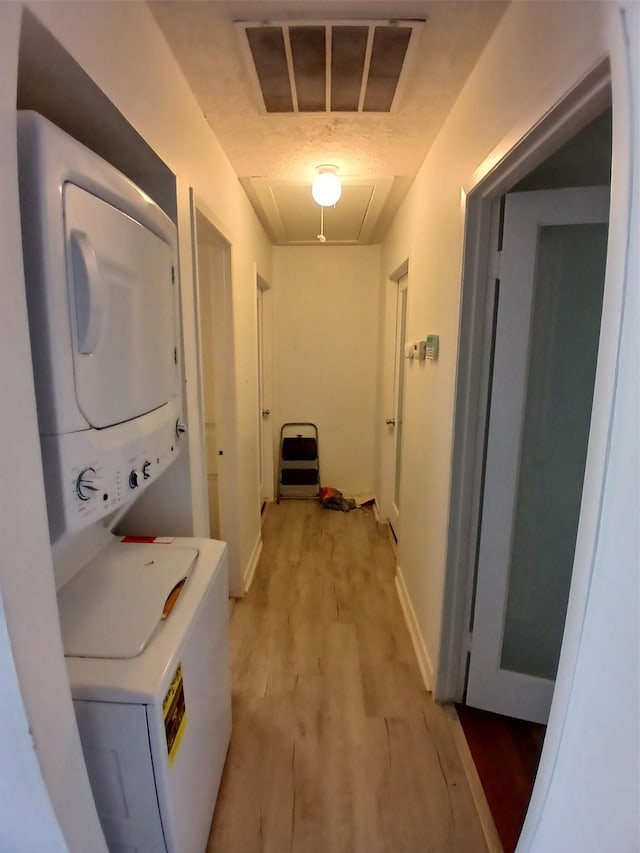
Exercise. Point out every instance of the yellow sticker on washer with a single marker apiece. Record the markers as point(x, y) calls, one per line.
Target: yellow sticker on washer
point(175, 714)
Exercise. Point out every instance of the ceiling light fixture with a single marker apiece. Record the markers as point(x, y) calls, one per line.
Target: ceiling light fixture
point(326, 188)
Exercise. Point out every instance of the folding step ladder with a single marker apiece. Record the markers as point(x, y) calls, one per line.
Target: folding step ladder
point(299, 468)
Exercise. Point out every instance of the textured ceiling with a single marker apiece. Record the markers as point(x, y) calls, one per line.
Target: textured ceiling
point(383, 151)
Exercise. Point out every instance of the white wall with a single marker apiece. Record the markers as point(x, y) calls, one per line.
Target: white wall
point(119, 46)
point(538, 53)
point(325, 326)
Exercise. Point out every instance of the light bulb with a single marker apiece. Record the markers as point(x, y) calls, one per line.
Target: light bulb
point(326, 189)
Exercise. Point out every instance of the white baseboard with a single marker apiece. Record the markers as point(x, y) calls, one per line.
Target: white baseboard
point(264, 510)
point(252, 565)
point(424, 662)
point(380, 518)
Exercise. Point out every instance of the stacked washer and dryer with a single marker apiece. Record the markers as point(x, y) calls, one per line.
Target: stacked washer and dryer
point(144, 622)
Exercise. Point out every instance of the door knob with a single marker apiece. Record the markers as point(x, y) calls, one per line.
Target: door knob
point(390, 421)
point(266, 413)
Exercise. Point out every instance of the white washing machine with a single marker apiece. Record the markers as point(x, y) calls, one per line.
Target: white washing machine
point(144, 623)
point(144, 627)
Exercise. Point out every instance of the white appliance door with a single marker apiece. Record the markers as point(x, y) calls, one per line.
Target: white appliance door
point(115, 743)
point(121, 301)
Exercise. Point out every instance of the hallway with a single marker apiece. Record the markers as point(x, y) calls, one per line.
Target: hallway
point(336, 746)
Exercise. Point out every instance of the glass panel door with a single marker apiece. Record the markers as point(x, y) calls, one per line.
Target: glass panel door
point(562, 363)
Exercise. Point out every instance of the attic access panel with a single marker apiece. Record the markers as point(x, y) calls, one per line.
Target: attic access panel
point(343, 224)
point(328, 66)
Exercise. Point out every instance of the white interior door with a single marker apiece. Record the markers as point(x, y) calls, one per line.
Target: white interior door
point(265, 428)
point(263, 413)
point(545, 352)
point(395, 423)
point(207, 332)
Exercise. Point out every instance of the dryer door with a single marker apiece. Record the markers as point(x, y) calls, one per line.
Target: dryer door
point(122, 306)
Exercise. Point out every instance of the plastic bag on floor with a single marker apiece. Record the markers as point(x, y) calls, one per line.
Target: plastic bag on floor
point(334, 499)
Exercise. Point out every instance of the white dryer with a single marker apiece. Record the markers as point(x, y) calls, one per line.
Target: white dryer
point(102, 294)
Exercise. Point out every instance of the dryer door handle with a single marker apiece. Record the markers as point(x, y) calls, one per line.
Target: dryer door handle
point(88, 292)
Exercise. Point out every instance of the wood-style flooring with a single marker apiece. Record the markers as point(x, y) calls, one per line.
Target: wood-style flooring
point(506, 753)
point(336, 745)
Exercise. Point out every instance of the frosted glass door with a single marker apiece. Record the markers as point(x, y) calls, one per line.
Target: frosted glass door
point(548, 321)
point(562, 362)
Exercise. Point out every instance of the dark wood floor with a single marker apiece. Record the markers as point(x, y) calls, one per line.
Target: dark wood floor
point(336, 745)
point(506, 753)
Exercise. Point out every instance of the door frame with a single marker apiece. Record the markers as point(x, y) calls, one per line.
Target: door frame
point(525, 147)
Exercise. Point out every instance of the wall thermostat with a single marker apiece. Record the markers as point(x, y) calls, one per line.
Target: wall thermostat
point(432, 345)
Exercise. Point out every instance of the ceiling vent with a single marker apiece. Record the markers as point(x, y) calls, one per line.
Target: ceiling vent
point(328, 67)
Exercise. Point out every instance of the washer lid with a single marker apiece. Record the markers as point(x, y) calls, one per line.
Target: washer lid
point(113, 606)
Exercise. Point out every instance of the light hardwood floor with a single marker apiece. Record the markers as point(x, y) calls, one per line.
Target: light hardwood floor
point(336, 746)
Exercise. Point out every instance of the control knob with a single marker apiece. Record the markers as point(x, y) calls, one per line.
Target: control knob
point(134, 478)
point(145, 470)
point(85, 485)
